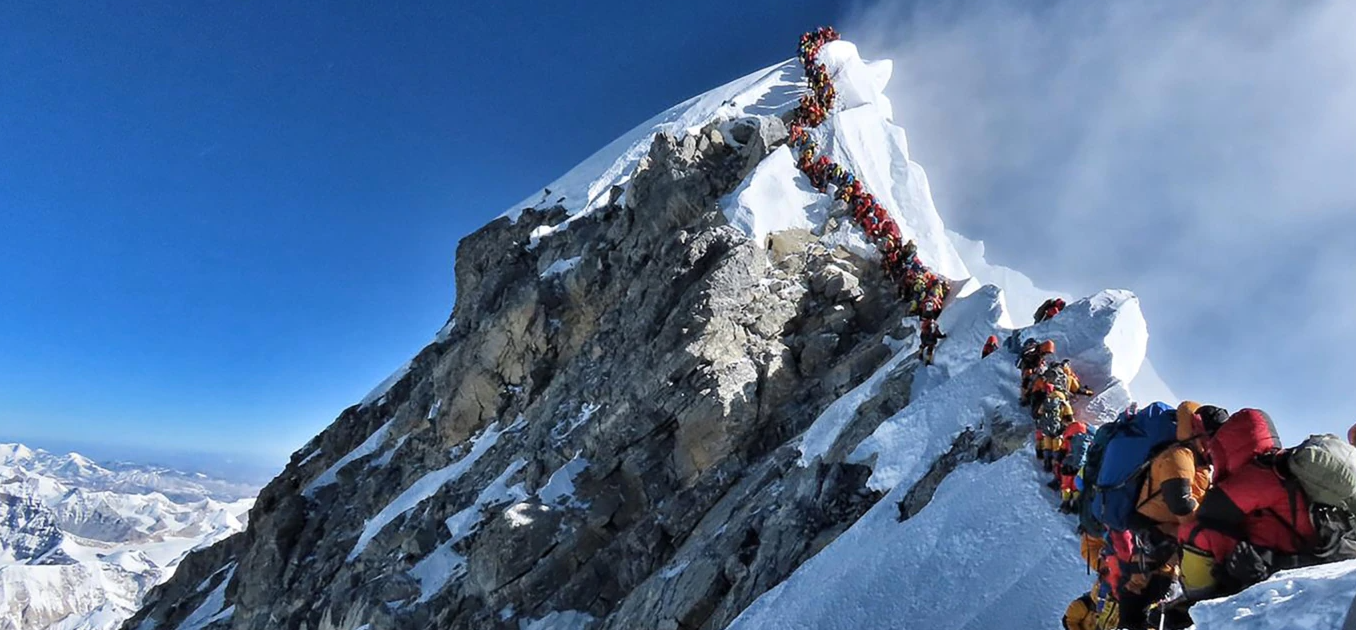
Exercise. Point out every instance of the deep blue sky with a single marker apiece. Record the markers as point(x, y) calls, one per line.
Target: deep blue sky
point(224, 222)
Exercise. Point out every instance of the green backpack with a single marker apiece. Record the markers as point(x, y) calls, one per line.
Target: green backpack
point(1325, 467)
point(1048, 418)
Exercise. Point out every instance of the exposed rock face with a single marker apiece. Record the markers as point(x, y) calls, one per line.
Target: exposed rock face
point(609, 428)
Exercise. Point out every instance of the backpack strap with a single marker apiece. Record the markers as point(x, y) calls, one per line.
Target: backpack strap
point(1292, 498)
point(1131, 477)
point(1143, 467)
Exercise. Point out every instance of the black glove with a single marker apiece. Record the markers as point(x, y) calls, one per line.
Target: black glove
point(1248, 564)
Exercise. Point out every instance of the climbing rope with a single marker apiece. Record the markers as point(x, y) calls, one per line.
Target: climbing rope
point(923, 290)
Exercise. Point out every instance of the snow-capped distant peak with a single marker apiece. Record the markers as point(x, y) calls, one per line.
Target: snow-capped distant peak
point(84, 543)
point(14, 453)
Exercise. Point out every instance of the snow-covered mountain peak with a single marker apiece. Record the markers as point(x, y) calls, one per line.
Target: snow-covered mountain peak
point(858, 82)
point(11, 454)
point(771, 92)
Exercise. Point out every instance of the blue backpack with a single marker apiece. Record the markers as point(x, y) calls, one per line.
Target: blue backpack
point(1078, 450)
point(1092, 465)
point(1127, 457)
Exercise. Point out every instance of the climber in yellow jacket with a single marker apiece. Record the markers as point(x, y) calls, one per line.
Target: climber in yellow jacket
point(1053, 416)
point(1081, 613)
point(1179, 476)
point(1075, 384)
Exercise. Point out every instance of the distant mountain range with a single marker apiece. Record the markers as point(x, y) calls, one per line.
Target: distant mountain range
point(82, 542)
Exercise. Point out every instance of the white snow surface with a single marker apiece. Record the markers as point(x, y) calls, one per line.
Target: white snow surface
point(962, 391)
point(990, 551)
point(559, 488)
point(861, 137)
point(991, 530)
point(822, 435)
point(331, 474)
point(771, 91)
point(1313, 598)
point(380, 390)
point(436, 570)
point(560, 267)
point(427, 486)
point(464, 523)
point(1023, 297)
point(560, 620)
point(776, 197)
point(213, 608)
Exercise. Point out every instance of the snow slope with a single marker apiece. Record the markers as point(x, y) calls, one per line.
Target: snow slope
point(1315, 598)
point(81, 543)
point(771, 91)
point(989, 550)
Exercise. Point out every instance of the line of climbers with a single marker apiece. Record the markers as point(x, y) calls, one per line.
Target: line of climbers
point(1180, 504)
point(923, 290)
point(1174, 505)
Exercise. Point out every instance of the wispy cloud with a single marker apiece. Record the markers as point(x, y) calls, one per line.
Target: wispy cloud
point(1202, 154)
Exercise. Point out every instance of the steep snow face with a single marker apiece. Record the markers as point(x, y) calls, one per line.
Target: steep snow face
point(989, 550)
point(771, 91)
point(776, 197)
point(81, 544)
point(861, 136)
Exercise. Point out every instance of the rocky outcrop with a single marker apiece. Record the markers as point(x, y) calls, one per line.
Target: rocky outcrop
point(608, 426)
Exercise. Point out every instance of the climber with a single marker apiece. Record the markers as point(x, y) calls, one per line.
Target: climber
point(1270, 509)
point(1109, 609)
point(1032, 362)
point(1178, 477)
point(1075, 384)
point(1351, 435)
point(1081, 613)
point(910, 250)
point(930, 308)
point(1090, 548)
point(1137, 581)
point(1074, 449)
point(1248, 502)
point(990, 347)
point(930, 334)
point(1052, 417)
point(1049, 309)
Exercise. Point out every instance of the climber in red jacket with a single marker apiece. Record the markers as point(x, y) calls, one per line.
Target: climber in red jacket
point(1049, 309)
point(990, 347)
point(1252, 501)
